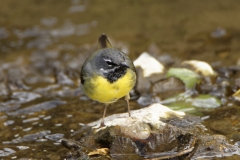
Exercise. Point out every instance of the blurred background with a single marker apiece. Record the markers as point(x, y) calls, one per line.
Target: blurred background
point(43, 44)
point(183, 29)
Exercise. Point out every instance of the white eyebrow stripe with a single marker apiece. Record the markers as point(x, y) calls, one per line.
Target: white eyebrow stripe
point(108, 60)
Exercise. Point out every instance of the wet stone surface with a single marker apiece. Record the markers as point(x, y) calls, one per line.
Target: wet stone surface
point(139, 136)
point(155, 132)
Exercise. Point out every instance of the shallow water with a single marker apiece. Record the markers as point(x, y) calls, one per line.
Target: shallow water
point(43, 45)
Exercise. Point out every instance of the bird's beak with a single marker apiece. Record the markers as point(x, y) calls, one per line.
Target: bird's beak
point(124, 64)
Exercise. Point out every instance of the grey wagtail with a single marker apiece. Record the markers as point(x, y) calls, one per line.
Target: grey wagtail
point(107, 75)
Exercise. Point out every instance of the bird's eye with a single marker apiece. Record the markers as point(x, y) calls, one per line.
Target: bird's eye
point(110, 63)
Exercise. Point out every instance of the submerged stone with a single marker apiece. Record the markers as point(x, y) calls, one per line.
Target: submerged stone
point(168, 87)
point(5, 91)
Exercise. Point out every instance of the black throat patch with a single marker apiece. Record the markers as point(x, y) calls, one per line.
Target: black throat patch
point(113, 75)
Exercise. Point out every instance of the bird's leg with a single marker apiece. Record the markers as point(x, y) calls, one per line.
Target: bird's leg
point(104, 113)
point(127, 97)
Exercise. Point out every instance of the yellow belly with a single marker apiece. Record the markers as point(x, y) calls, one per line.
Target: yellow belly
point(100, 89)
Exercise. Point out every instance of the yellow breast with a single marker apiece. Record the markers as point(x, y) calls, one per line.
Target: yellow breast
point(103, 91)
